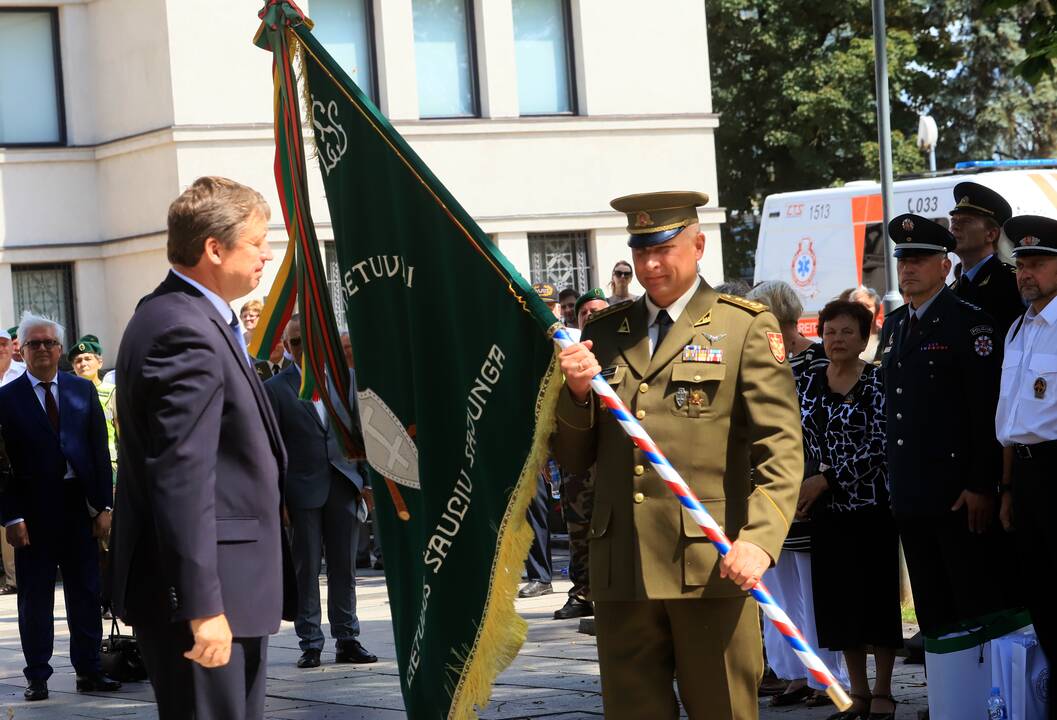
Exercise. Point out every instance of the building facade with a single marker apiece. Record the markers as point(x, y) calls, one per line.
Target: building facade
point(534, 113)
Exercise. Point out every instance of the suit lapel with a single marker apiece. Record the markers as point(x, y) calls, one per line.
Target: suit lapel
point(29, 395)
point(635, 345)
point(683, 330)
point(293, 378)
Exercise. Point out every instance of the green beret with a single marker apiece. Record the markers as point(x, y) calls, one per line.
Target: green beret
point(87, 344)
point(593, 294)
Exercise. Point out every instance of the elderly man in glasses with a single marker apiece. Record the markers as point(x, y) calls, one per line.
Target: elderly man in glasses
point(57, 503)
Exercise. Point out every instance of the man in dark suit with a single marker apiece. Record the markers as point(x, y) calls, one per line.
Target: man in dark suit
point(197, 542)
point(941, 374)
point(322, 499)
point(55, 506)
point(983, 279)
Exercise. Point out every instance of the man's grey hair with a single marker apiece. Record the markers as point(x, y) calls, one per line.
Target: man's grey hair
point(780, 299)
point(30, 321)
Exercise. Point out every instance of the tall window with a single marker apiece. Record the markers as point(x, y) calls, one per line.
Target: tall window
point(30, 78)
point(46, 290)
point(560, 259)
point(544, 57)
point(346, 30)
point(445, 58)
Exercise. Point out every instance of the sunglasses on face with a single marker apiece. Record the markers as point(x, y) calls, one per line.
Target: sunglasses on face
point(622, 273)
point(38, 344)
point(294, 342)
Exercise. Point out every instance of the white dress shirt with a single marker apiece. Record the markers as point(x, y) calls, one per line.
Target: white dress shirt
point(1027, 404)
point(12, 373)
point(674, 311)
point(223, 309)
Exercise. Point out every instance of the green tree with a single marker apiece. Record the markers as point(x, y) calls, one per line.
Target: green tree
point(793, 81)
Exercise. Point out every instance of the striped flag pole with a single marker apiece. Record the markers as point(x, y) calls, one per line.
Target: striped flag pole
point(712, 531)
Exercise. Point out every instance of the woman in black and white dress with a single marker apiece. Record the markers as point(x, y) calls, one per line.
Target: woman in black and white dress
point(855, 547)
point(790, 580)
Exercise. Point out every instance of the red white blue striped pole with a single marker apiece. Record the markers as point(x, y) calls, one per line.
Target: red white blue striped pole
point(713, 532)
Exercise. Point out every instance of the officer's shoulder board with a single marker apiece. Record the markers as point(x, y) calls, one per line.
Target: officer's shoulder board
point(748, 305)
point(611, 310)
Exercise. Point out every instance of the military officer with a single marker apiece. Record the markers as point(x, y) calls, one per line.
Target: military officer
point(706, 376)
point(1027, 421)
point(941, 373)
point(983, 279)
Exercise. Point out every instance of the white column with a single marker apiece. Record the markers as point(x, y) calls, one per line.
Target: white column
point(395, 40)
point(514, 246)
point(7, 298)
point(496, 60)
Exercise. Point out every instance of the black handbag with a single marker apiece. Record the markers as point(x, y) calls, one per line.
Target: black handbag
point(121, 656)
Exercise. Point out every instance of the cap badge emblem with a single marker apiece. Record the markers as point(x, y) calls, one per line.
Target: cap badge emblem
point(643, 219)
point(908, 225)
point(1029, 240)
point(81, 347)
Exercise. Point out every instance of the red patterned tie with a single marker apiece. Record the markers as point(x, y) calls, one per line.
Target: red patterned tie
point(51, 406)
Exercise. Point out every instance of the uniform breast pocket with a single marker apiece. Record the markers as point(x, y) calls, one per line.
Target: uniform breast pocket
point(693, 388)
point(1042, 378)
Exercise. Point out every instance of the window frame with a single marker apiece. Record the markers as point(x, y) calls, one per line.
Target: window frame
point(372, 50)
point(60, 94)
point(570, 59)
point(475, 79)
point(69, 273)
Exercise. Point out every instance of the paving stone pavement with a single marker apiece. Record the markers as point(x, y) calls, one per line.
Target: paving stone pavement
point(554, 677)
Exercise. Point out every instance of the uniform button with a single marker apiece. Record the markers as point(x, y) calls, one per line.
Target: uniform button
point(899, 416)
point(899, 442)
point(899, 364)
point(640, 414)
point(899, 391)
point(931, 363)
point(697, 378)
point(643, 387)
point(639, 469)
point(638, 497)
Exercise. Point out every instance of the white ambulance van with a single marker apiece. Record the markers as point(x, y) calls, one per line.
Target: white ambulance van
point(822, 242)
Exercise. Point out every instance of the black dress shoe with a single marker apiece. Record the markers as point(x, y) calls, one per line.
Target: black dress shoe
point(308, 659)
point(535, 588)
point(36, 691)
point(574, 607)
point(97, 682)
point(350, 651)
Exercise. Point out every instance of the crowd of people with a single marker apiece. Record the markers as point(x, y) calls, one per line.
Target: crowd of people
point(931, 427)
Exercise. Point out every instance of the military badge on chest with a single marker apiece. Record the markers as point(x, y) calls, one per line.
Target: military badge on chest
point(681, 394)
point(983, 345)
point(1040, 388)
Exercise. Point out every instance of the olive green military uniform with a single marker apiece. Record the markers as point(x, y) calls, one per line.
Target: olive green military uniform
point(717, 411)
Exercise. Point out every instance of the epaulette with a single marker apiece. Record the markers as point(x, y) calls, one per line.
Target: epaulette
point(754, 307)
point(609, 311)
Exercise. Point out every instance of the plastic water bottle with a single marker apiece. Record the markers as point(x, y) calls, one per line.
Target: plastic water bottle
point(996, 706)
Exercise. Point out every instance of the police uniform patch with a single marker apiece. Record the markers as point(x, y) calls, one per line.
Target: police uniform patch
point(981, 330)
point(777, 345)
point(1040, 388)
point(983, 345)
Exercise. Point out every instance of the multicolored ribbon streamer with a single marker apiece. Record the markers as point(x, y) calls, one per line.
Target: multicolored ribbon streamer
point(712, 531)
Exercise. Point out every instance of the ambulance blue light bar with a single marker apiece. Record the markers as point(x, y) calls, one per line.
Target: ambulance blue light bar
point(981, 164)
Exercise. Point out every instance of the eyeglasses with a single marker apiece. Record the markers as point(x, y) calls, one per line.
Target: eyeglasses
point(294, 342)
point(38, 344)
point(622, 273)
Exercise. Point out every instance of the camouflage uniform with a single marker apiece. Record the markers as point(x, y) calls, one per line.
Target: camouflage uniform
point(578, 497)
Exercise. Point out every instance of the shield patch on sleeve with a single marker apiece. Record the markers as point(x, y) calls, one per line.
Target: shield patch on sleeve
point(777, 344)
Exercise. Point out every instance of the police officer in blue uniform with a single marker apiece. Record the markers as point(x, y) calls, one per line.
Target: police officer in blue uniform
point(983, 279)
point(941, 371)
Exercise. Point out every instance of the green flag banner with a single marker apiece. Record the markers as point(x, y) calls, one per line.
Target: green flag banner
point(457, 383)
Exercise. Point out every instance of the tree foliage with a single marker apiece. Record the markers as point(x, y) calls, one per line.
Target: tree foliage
point(793, 81)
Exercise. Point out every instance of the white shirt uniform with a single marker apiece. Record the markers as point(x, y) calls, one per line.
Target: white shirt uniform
point(1027, 404)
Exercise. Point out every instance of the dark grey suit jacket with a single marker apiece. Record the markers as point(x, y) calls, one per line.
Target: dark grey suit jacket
point(313, 446)
point(196, 521)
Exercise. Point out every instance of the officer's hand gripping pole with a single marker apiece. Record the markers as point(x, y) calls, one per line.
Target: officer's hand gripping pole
point(712, 531)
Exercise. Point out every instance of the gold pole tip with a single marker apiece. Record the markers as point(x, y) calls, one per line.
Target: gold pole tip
point(839, 697)
point(405, 516)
